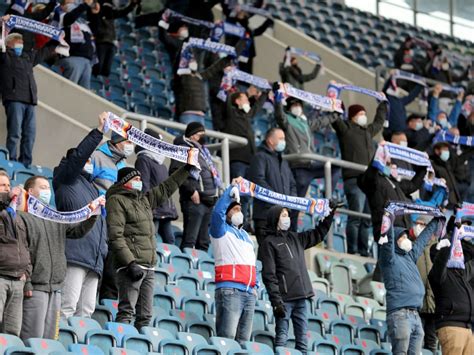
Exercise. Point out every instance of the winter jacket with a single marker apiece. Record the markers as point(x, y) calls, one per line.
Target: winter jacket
point(402, 280)
point(424, 265)
point(270, 171)
point(106, 25)
point(419, 140)
point(71, 23)
point(41, 15)
point(107, 161)
point(191, 89)
point(234, 256)
point(14, 256)
point(239, 123)
point(294, 76)
point(446, 170)
point(356, 142)
point(397, 114)
point(299, 132)
point(205, 185)
point(47, 245)
point(284, 267)
point(380, 189)
point(130, 220)
point(73, 189)
point(462, 170)
point(16, 73)
point(454, 295)
point(153, 173)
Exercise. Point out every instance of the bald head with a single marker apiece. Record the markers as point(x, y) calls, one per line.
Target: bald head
point(273, 138)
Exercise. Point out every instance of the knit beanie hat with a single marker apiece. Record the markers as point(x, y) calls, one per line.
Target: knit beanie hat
point(232, 205)
point(126, 174)
point(117, 138)
point(354, 110)
point(193, 128)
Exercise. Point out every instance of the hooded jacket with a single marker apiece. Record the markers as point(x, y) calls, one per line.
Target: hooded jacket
point(284, 267)
point(356, 142)
point(73, 189)
point(402, 279)
point(293, 75)
point(454, 295)
point(424, 265)
point(398, 114)
point(269, 170)
point(106, 25)
point(130, 220)
point(107, 161)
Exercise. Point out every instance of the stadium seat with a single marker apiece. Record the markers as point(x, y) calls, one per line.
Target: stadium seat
point(329, 305)
point(369, 304)
point(178, 292)
point(21, 350)
point(161, 276)
point(81, 349)
point(325, 347)
point(354, 320)
point(344, 330)
point(357, 268)
point(197, 344)
point(195, 304)
point(169, 323)
point(173, 347)
point(370, 333)
point(264, 337)
point(8, 340)
point(127, 336)
point(102, 315)
point(164, 300)
point(367, 345)
point(187, 281)
point(45, 346)
point(112, 306)
point(352, 350)
point(317, 324)
point(257, 348)
point(156, 335)
point(67, 335)
point(340, 278)
point(225, 345)
point(121, 351)
point(4, 153)
point(260, 319)
point(379, 313)
point(323, 263)
point(321, 284)
point(287, 351)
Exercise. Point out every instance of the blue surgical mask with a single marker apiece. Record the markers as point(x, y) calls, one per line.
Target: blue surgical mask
point(45, 196)
point(443, 122)
point(387, 170)
point(18, 48)
point(444, 155)
point(137, 185)
point(69, 7)
point(280, 147)
point(419, 125)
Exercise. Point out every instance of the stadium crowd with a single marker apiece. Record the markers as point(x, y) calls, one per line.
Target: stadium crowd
point(51, 271)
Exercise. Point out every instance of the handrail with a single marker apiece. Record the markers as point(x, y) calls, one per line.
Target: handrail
point(227, 141)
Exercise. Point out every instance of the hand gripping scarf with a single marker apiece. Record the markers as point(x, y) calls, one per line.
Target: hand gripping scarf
point(388, 151)
point(335, 89)
point(300, 53)
point(134, 135)
point(232, 76)
point(445, 136)
point(324, 102)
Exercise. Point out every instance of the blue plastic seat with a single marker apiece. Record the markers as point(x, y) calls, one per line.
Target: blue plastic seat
point(82, 349)
point(169, 323)
point(225, 345)
point(102, 315)
point(257, 348)
point(112, 305)
point(286, 351)
point(381, 326)
point(350, 349)
point(188, 281)
point(367, 345)
point(173, 347)
point(369, 332)
point(67, 335)
point(121, 351)
point(8, 340)
point(156, 335)
point(20, 350)
point(344, 330)
point(194, 304)
point(264, 337)
point(45, 346)
point(4, 153)
point(164, 300)
point(11, 166)
point(89, 331)
point(128, 337)
point(325, 347)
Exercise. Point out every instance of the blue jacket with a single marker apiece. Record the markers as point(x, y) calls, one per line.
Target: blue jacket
point(73, 190)
point(403, 283)
point(434, 111)
point(107, 161)
point(398, 114)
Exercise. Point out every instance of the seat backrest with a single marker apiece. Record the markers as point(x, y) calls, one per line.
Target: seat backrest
point(44, 346)
point(156, 335)
point(224, 344)
point(7, 340)
point(120, 351)
point(121, 329)
point(191, 340)
point(325, 347)
point(175, 347)
point(170, 323)
point(195, 304)
point(85, 349)
point(257, 348)
point(369, 332)
point(82, 325)
point(341, 279)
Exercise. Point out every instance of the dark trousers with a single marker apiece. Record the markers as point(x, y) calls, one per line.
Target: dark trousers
point(304, 176)
point(165, 230)
point(135, 298)
point(21, 123)
point(430, 341)
point(105, 54)
point(108, 286)
point(297, 311)
point(196, 219)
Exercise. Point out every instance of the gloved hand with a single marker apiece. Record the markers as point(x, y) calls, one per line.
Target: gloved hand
point(334, 204)
point(134, 271)
point(279, 311)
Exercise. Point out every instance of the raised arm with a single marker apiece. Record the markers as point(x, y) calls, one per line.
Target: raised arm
point(218, 218)
point(423, 239)
point(79, 230)
point(71, 17)
point(380, 117)
point(280, 116)
point(311, 76)
point(412, 95)
point(315, 236)
point(437, 275)
point(44, 13)
point(416, 182)
point(163, 191)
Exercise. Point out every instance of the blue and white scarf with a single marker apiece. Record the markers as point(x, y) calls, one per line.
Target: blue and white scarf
point(336, 89)
point(324, 102)
point(429, 182)
point(20, 6)
point(138, 137)
point(445, 136)
point(206, 154)
point(250, 10)
point(388, 151)
point(319, 207)
point(208, 45)
point(300, 53)
point(232, 76)
point(404, 75)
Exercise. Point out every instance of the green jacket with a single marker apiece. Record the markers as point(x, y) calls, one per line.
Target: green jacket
point(130, 220)
point(424, 265)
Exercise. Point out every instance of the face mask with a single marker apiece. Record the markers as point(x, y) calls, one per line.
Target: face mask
point(387, 170)
point(419, 125)
point(362, 120)
point(89, 168)
point(444, 155)
point(69, 7)
point(246, 108)
point(443, 122)
point(404, 143)
point(183, 34)
point(280, 147)
point(18, 48)
point(445, 66)
point(137, 185)
point(406, 245)
point(193, 66)
point(128, 149)
point(296, 110)
point(237, 219)
point(45, 196)
point(417, 229)
point(284, 223)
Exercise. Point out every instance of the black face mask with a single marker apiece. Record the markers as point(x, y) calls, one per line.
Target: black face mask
point(5, 200)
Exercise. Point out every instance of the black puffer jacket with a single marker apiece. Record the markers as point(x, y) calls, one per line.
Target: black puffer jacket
point(454, 296)
point(284, 268)
point(106, 26)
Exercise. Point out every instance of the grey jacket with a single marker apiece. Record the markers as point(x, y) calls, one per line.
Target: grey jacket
point(47, 242)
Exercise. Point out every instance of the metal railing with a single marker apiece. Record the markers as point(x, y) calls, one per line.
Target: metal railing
point(227, 141)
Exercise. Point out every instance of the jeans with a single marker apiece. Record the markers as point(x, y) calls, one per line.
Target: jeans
point(105, 54)
point(234, 313)
point(11, 305)
point(187, 118)
point(238, 168)
point(304, 176)
point(429, 327)
point(78, 70)
point(405, 331)
point(79, 292)
point(135, 298)
point(21, 122)
point(357, 229)
point(165, 230)
point(196, 219)
point(298, 312)
point(41, 315)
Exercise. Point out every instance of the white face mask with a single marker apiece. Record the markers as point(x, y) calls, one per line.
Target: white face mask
point(404, 143)
point(183, 34)
point(89, 168)
point(445, 66)
point(193, 66)
point(406, 245)
point(246, 108)
point(284, 223)
point(297, 110)
point(417, 229)
point(137, 185)
point(362, 120)
point(45, 196)
point(128, 149)
point(237, 219)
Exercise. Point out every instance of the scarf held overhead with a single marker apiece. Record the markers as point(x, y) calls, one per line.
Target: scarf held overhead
point(445, 136)
point(324, 102)
point(232, 76)
point(388, 151)
point(335, 89)
point(140, 138)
